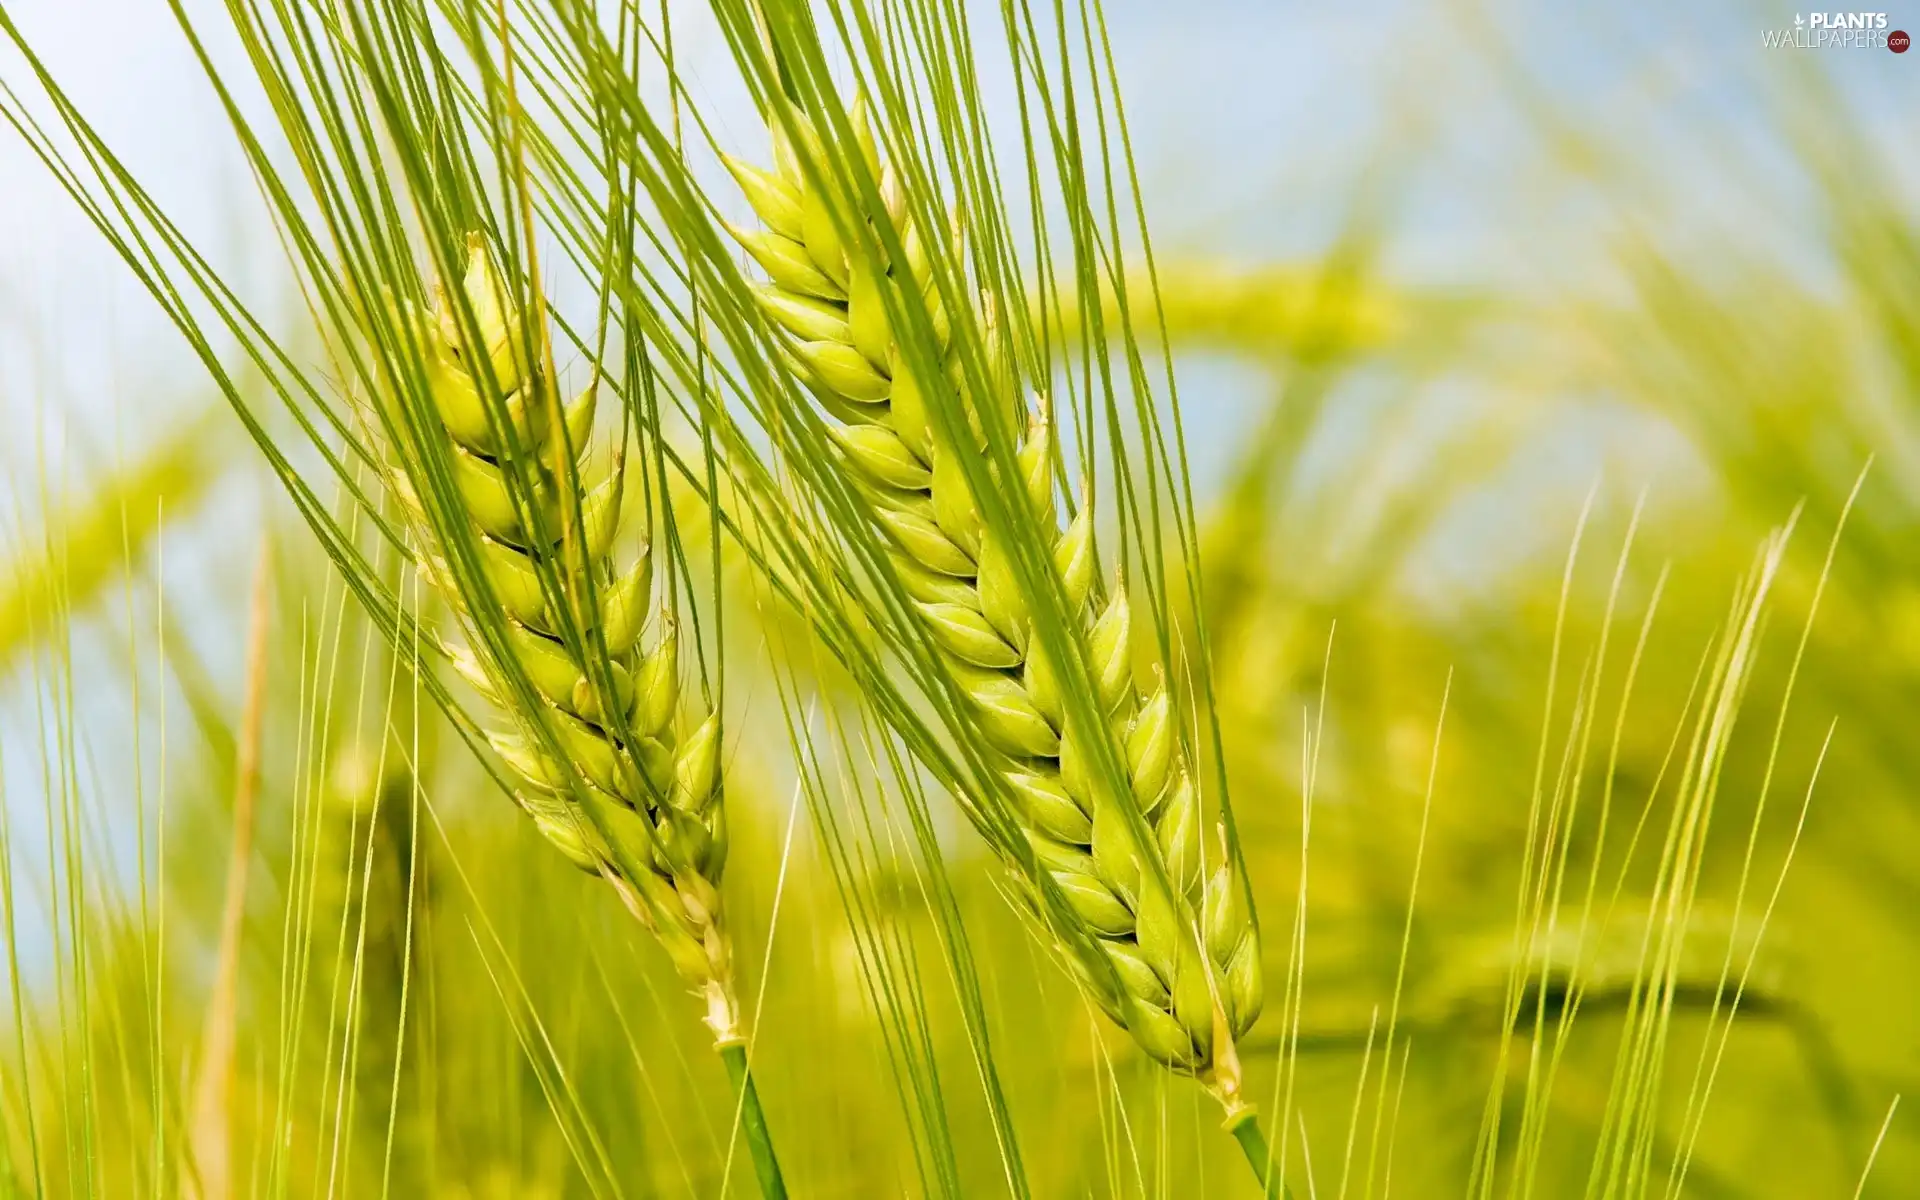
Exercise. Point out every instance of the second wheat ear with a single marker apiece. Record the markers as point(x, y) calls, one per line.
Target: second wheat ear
point(1179, 966)
point(609, 761)
point(608, 756)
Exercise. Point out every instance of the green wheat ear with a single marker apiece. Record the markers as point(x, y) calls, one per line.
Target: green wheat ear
point(1185, 990)
point(608, 764)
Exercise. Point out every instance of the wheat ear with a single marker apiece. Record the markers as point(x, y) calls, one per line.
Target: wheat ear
point(612, 771)
point(1185, 991)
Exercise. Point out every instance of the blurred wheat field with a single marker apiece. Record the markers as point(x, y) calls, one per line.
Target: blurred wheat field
point(1558, 569)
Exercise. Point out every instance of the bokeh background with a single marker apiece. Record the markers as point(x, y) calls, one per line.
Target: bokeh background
point(1519, 345)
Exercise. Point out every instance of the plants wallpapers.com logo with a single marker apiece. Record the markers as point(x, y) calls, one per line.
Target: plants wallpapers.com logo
point(1838, 31)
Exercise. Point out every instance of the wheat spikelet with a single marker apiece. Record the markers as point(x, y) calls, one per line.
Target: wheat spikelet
point(1181, 970)
point(611, 769)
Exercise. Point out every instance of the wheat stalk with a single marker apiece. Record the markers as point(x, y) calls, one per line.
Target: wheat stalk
point(1181, 965)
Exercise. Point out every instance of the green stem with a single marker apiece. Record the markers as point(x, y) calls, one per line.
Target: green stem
point(1247, 1133)
point(754, 1122)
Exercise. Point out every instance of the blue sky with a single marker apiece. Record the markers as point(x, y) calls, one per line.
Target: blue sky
point(1253, 121)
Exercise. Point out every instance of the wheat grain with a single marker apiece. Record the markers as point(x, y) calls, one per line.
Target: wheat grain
point(610, 765)
point(1186, 965)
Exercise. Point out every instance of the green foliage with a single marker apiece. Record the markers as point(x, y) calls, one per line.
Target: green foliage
point(1584, 866)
